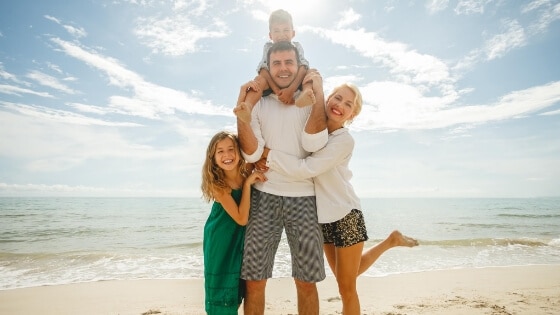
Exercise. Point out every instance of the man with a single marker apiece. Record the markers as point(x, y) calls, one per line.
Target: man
point(282, 203)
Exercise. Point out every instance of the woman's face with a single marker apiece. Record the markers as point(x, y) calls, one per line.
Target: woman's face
point(341, 106)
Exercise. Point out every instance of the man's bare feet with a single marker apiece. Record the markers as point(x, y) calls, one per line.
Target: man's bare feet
point(398, 239)
point(243, 112)
point(306, 98)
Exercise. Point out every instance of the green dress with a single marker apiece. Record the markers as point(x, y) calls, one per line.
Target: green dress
point(223, 254)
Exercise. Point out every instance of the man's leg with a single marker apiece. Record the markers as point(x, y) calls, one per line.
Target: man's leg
point(305, 239)
point(308, 298)
point(254, 297)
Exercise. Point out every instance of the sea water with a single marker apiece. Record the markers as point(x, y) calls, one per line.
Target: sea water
point(46, 241)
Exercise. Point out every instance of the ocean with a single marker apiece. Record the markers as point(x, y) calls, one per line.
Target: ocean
point(49, 241)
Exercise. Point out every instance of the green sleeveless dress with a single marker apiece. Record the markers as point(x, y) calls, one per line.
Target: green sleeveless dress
point(223, 254)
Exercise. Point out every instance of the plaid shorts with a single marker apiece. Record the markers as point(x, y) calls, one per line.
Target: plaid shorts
point(347, 231)
point(269, 216)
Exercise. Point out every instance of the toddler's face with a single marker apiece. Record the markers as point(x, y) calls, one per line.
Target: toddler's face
point(281, 32)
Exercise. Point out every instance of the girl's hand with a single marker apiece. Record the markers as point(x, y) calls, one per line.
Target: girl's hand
point(256, 176)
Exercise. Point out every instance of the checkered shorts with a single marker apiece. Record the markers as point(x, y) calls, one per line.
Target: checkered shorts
point(269, 216)
point(347, 231)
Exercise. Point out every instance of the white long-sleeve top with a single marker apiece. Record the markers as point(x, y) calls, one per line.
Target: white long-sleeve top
point(281, 128)
point(329, 168)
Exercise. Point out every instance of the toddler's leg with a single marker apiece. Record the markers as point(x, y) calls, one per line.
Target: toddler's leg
point(306, 97)
point(245, 106)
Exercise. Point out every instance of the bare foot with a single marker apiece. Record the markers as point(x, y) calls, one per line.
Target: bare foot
point(243, 112)
point(398, 239)
point(307, 97)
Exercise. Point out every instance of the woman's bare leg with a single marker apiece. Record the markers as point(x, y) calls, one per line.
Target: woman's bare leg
point(394, 239)
point(347, 266)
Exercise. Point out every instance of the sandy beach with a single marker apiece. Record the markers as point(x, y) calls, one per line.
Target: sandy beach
point(497, 290)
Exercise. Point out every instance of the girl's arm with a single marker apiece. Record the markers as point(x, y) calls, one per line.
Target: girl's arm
point(239, 213)
point(245, 203)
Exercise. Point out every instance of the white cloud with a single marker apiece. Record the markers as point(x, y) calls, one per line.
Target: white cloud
point(407, 66)
point(8, 76)
point(534, 5)
point(513, 37)
point(77, 32)
point(61, 116)
point(98, 110)
point(468, 7)
point(148, 100)
point(389, 105)
point(348, 17)
point(14, 90)
point(551, 113)
point(50, 81)
point(435, 6)
point(496, 46)
point(549, 14)
point(176, 35)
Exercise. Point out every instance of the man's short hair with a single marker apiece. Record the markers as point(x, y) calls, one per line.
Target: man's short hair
point(282, 46)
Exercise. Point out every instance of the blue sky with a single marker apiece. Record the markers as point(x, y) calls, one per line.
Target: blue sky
point(120, 98)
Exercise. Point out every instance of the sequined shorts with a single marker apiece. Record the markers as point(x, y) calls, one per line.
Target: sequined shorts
point(347, 231)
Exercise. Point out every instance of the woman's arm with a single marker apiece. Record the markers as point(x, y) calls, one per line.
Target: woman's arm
point(335, 152)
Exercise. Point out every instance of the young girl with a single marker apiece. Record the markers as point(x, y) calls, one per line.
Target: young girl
point(226, 180)
point(338, 207)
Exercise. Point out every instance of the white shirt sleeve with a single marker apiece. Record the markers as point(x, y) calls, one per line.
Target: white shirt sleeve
point(314, 142)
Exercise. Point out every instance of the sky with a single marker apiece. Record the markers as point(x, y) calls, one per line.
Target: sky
point(121, 97)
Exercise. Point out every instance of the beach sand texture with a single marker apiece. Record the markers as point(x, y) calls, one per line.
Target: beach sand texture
point(493, 290)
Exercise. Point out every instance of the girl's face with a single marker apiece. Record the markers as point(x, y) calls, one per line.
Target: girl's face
point(341, 106)
point(226, 156)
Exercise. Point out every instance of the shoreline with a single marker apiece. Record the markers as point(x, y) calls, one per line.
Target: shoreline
point(531, 289)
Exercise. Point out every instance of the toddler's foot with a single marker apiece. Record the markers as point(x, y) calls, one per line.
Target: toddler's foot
point(305, 98)
point(243, 112)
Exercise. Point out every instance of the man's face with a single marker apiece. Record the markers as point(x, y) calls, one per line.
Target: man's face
point(283, 67)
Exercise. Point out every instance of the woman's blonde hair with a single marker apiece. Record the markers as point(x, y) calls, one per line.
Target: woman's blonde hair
point(213, 177)
point(357, 99)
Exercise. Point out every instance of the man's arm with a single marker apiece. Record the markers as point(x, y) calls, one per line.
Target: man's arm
point(247, 140)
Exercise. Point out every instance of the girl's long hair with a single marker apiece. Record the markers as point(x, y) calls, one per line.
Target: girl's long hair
point(213, 177)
